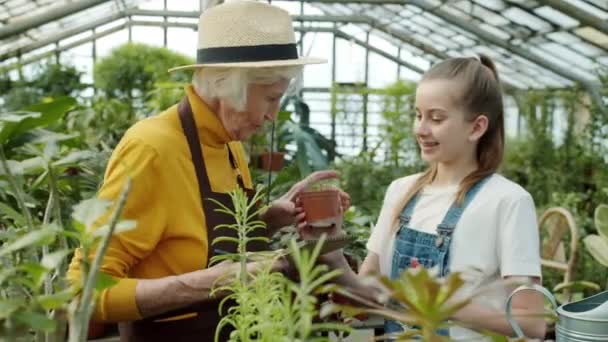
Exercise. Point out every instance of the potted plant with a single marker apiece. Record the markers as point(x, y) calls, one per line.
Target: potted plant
point(266, 152)
point(321, 204)
point(271, 161)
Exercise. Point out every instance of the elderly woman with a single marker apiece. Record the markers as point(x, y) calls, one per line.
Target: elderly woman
point(180, 159)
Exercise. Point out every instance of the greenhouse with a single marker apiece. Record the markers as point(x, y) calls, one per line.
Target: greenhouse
point(320, 170)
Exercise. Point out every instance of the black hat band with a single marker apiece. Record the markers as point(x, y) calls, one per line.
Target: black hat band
point(242, 54)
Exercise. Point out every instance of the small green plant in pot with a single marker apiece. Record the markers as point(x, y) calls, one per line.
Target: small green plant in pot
point(321, 204)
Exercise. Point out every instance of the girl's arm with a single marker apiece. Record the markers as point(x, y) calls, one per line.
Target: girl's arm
point(348, 278)
point(527, 309)
point(371, 265)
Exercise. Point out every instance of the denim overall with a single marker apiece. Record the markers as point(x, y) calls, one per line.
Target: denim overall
point(414, 247)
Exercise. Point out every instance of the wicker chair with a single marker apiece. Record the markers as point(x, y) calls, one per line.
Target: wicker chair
point(558, 221)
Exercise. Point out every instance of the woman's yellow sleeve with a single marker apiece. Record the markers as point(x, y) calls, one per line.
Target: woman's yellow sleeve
point(138, 161)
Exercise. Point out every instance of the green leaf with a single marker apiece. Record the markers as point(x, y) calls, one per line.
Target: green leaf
point(13, 214)
point(9, 122)
point(7, 307)
point(27, 166)
point(40, 136)
point(6, 274)
point(38, 115)
point(226, 239)
point(104, 281)
point(601, 220)
point(54, 259)
point(7, 235)
point(31, 165)
point(75, 158)
point(89, 211)
point(36, 272)
point(121, 227)
point(598, 247)
point(35, 320)
point(55, 300)
point(34, 238)
point(302, 159)
point(50, 150)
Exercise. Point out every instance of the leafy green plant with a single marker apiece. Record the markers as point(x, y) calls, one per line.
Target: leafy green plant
point(416, 299)
point(366, 180)
point(164, 95)
point(270, 307)
point(34, 238)
point(306, 150)
point(303, 145)
point(313, 150)
point(86, 215)
point(396, 129)
point(131, 70)
point(396, 100)
point(34, 296)
point(49, 79)
point(358, 226)
point(538, 157)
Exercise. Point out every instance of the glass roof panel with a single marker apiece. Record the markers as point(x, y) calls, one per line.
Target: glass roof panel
point(588, 49)
point(496, 5)
point(599, 3)
point(71, 22)
point(562, 39)
point(463, 40)
point(556, 17)
point(153, 5)
point(593, 36)
point(524, 18)
point(431, 30)
point(569, 56)
point(496, 31)
point(590, 7)
point(457, 12)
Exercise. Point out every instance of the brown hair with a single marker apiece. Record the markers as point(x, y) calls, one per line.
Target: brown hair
point(480, 94)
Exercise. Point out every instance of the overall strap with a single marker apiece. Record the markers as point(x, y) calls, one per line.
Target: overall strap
point(451, 218)
point(408, 211)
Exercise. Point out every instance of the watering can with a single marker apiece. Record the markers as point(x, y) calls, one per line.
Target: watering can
point(581, 321)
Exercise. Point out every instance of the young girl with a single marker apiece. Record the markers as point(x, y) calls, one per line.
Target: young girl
point(460, 215)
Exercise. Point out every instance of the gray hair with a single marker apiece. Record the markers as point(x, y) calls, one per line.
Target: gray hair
point(231, 84)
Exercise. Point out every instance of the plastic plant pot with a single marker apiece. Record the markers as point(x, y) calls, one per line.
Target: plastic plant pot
point(321, 207)
point(268, 162)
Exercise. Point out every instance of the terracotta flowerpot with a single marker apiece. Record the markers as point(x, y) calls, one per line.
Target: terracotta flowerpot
point(273, 162)
point(321, 207)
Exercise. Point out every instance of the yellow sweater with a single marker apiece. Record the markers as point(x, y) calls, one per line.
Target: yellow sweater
point(170, 237)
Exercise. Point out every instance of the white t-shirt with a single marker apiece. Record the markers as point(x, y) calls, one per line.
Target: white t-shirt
point(497, 235)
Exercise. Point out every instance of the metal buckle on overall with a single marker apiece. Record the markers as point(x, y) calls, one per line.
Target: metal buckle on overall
point(442, 233)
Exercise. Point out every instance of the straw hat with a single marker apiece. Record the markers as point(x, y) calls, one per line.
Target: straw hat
point(248, 34)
